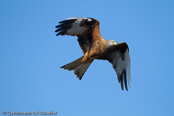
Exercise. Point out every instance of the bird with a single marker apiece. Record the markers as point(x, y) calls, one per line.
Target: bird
point(95, 47)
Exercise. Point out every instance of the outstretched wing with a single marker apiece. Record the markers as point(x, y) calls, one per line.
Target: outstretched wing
point(81, 27)
point(119, 57)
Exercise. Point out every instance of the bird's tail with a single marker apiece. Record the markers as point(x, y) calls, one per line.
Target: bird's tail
point(78, 67)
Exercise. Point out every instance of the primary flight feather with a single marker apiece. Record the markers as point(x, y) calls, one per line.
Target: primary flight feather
point(95, 47)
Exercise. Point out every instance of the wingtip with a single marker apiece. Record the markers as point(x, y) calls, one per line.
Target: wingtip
point(58, 34)
point(122, 79)
point(57, 26)
point(125, 79)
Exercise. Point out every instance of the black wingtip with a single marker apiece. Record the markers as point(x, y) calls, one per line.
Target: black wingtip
point(68, 21)
point(123, 80)
point(64, 26)
point(58, 34)
point(58, 26)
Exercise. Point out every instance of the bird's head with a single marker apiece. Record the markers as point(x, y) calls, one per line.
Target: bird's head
point(112, 42)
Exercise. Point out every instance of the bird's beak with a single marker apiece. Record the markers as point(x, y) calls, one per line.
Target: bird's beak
point(115, 43)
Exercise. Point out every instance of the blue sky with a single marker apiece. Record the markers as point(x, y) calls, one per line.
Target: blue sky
point(31, 56)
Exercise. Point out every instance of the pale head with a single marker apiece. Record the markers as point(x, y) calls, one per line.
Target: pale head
point(112, 42)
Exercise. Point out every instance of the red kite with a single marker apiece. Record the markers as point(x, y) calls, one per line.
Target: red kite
point(95, 47)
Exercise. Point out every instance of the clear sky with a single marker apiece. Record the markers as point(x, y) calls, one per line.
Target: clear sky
point(31, 56)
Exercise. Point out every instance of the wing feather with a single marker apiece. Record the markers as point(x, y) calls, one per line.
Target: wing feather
point(73, 26)
point(81, 27)
point(119, 57)
point(64, 26)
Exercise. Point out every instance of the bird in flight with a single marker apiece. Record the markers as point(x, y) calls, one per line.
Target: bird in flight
point(94, 46)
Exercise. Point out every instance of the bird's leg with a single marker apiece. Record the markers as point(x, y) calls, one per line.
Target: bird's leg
point(85, 57)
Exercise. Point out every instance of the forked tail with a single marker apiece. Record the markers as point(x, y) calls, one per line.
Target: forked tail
point(78, 67)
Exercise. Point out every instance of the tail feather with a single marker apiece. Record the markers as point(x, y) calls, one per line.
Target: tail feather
point(80, 71)
point(78, 67)
point(73, 65)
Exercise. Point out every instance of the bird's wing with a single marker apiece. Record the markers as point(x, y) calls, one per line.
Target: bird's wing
point(119, 57)
point(84, 28)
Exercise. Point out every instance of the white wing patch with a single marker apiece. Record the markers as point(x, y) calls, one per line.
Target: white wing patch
point(127, 62)
point(76, 29)
point(80, 18)
point(120, 61)
point(74, 26)
point(124, 65)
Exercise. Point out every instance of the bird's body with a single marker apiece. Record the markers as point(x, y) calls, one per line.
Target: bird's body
point(95, 47)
